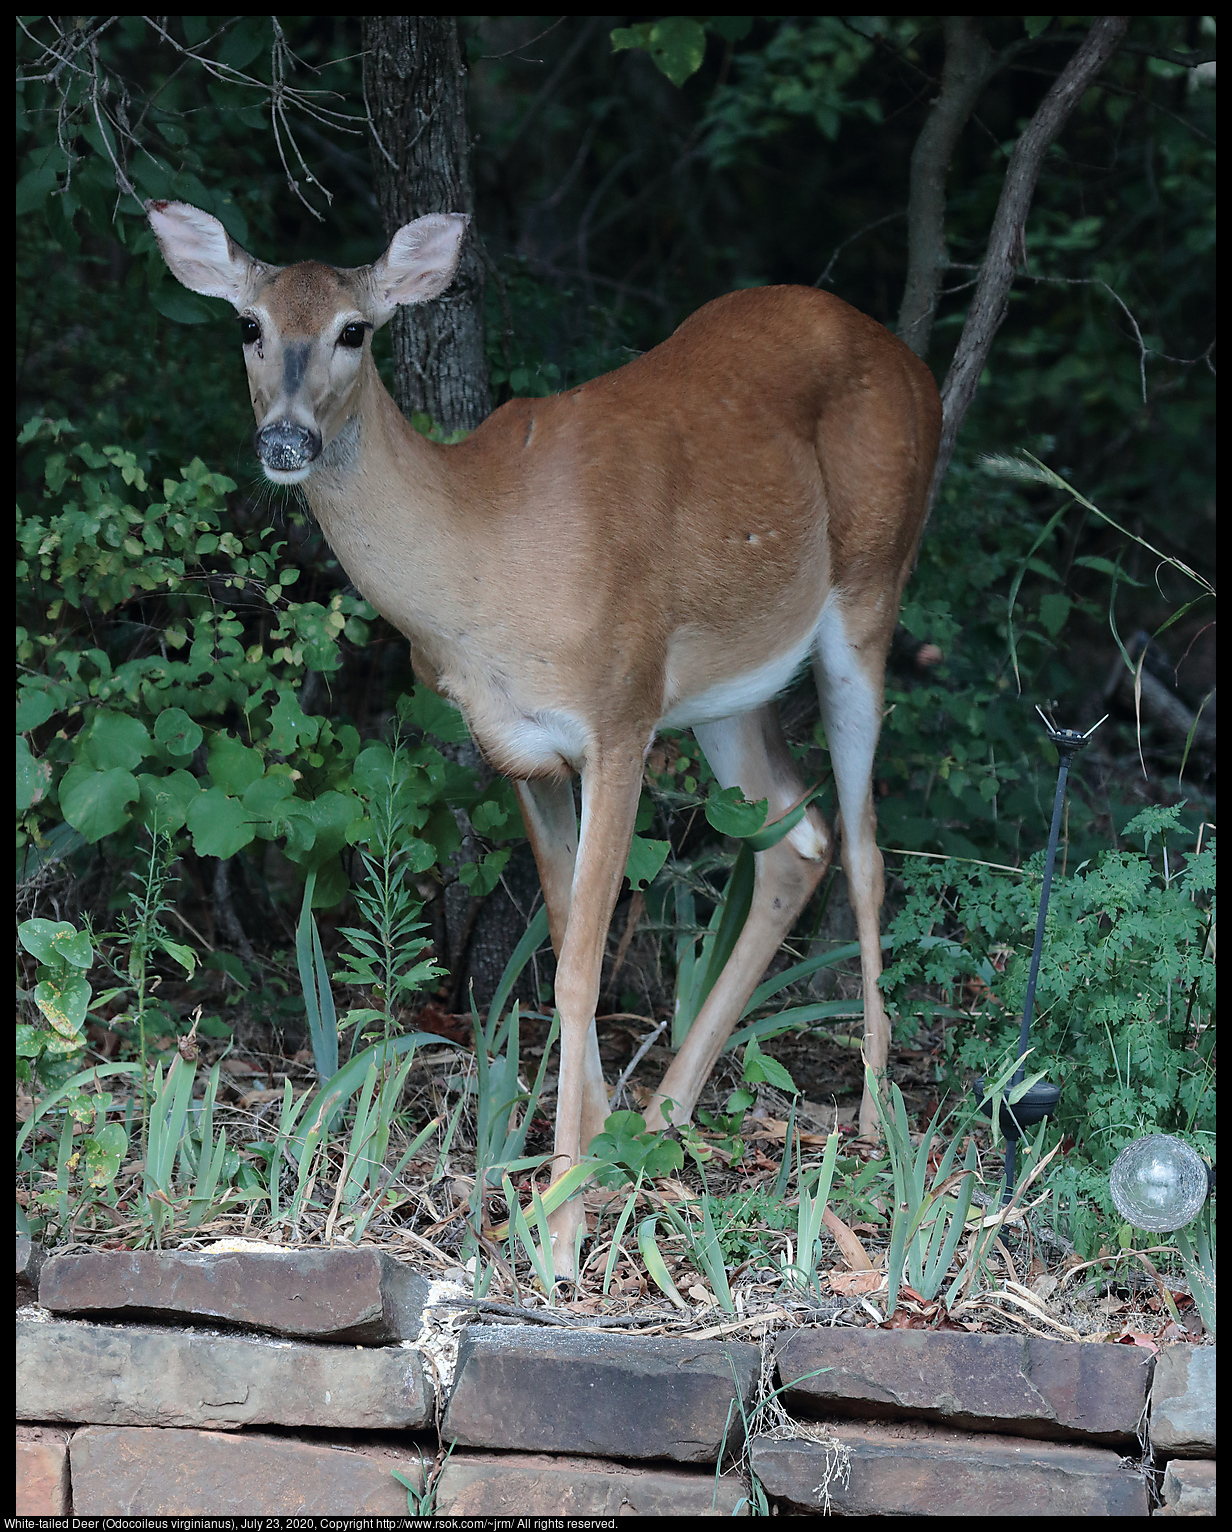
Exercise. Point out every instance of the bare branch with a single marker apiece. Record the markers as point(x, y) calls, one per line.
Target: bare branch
point(538, 37)
point(120, 137)
point(851, 239)
point(1005, 242)
point(969, 64)
point(550, 84)
point(1170, 55)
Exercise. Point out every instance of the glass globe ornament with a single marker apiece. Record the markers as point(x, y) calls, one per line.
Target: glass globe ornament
point(1159, 1183)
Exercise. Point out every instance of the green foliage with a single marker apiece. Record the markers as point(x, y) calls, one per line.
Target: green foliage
point(705, 1247)
point(319, 1008)
point(929, 1213)
point(1197, 1247)
point(806, 71)
point(62, 992)
point(386, 952)
point(630, 1151)
point(1125, 1004)
point(741, 1220)
point(677, 44)
point(811, 1208)
point(365, 1179)
point(214, 742)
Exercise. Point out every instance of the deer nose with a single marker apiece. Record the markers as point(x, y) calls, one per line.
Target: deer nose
point(285, 447)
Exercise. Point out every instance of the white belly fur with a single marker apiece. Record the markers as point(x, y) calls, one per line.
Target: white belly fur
point(743, 692)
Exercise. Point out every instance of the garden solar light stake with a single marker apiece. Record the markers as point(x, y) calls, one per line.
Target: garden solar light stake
point(1041, 1099)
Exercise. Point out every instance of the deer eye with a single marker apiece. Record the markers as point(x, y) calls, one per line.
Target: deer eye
point(250, 330)
point(352, 336)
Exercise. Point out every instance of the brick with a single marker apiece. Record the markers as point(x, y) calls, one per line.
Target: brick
point(360, 1295)
point(135, 1376)
point(916, 1469)
point(134, 1470)
point(1183, 1402)
point(29, 1264)
point(616, 1396)
point(1189, 1488)
point(42, 1471)
point(1046, 1389)
point(525, 1484)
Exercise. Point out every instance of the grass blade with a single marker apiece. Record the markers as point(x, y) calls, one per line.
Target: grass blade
point(655, 1265)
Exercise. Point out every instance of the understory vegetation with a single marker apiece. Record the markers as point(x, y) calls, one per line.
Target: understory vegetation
point(282, 969)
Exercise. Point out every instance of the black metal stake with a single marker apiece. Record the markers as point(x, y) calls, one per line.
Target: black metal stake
point(1068, 743)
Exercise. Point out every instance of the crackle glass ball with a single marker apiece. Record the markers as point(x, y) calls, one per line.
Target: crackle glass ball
point(1159, 1183)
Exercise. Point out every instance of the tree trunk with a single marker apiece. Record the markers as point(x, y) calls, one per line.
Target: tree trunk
point(1005, 243)
point(969, 65)
point(415, 88)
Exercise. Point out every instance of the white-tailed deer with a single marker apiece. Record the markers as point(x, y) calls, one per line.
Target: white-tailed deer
point(665, 545)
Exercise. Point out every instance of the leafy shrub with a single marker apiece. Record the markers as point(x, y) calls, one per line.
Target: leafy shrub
point(1125, 1005)
point(186, 712)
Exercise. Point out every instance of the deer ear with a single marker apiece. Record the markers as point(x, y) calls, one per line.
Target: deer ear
point(420, 263)
point(201, 254)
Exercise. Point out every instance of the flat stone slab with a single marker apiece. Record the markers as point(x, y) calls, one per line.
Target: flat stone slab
point(1046, 1389)
point(526, 1484)
point(1183, 1402)
point(134, 1376)
point(1189, 1488)
point(360, 1294)
point(29, 1264)
point(133, 1470)
point(42, 1471)
point(915, 1469)
point(617, 1396)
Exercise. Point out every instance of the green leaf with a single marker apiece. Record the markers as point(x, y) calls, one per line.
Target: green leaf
point(56, 942)
point(64, 999)
point(184, 956)
point(34, 187)
point(96, 802)
point(232, 766)
point(482, 877)
point(264, 798)
point(289, 724)
point(434, 715)
point(172, 302)
point(33, 777)
point(165, 800)
point(655, 1264)
point(176, 732)
point(331, 816)
point(103, 1154)
point(34, 707)
point(760, 1068)
point(646, 857)
point(677, 44)
point(1054, 609)
point(1036, 25)
point(219, 824)
point(730, 813)
point(116, 740)
point(30, 1041)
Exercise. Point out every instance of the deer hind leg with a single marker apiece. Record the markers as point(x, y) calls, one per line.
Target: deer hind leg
point(551, 826)
point(610, 791)
point(748, 751)
point(850, 669)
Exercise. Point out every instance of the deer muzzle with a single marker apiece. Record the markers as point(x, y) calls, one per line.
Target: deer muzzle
point(285, 447)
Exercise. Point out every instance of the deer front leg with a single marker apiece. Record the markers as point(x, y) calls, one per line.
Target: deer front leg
point(610, 791)
point(551, 827)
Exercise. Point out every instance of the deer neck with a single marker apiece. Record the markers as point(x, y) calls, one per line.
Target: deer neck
point(385, 498)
